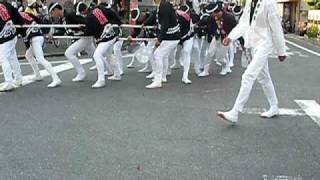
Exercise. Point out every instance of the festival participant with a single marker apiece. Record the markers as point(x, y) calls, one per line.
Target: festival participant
point(260, 26)
point(8, 39)
point(99, 24)
point(33, 38)
point(82, 44)
point(167, 41)
point(186, 40)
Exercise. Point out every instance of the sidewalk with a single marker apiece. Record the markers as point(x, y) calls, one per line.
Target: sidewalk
point(304, 41)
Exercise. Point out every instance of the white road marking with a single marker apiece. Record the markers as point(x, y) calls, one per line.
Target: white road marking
point(283, 111)
point(60, 68)
point(303, 48)
point(311, 108)
point(22, 63)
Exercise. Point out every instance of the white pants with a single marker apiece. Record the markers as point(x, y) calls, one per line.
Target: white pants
point(230, 55)
point(83, 44)
point(196, 49)
point(9, 61)
point(186, 56)
point(204, 45)
point(118, 55)
point(151, 62)
point(258, 69)
point(220, 51)
point(35, 53)
point(161, 56)
point(99, 54)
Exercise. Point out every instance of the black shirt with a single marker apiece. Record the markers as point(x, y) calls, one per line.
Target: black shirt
point(169, 27)
point(8, 16)
point(98, 19)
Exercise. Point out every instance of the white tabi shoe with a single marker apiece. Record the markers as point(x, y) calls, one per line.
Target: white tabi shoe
point(114, 78)
point(80, 77)
point(224, 71)
point(150, 76)
point(7, 87)
point(203, 74)
point(154, 85)
point(230, 117)
point(272, 112)
point(186, 81)
point(99, 84)
point(55, 83)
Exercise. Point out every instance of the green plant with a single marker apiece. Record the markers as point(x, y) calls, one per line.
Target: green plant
point(313, 31)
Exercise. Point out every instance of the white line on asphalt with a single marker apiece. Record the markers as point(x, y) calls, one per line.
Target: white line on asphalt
point(312, 109)
point(303, 48)
point(60, 68)
point(283, 111)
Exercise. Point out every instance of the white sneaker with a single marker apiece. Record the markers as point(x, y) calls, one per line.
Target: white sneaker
point(150, 76)
point(114, 78)
point(55, 83)
point(229, 70)
point(7, 87)
point(272, 112)
point(229, 117)
point(80, 77)
point(203, 74)
point(99, 84)
point(224, 71)
point(93, 68)
point(154, 85)
point(106, 73)
point(186, 81)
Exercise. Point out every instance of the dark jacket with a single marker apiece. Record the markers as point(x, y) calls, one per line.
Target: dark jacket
point(96, 22)
point(31, 32)
point(8, 16)
point(169, 27)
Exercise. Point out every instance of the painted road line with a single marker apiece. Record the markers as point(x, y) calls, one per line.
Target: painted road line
point(283, 111)
point(311, 108)
point(60, 68)
point(303, 48)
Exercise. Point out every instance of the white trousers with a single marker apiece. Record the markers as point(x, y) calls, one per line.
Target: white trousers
point(83, 44)
point(196, 49)
point(118, 55)
point(35, 53)
point(151, 62)
point(100, 54)
point(9, 61)
point(186, 56)
point(161, 56)
point(204, 45)
point(258, 69)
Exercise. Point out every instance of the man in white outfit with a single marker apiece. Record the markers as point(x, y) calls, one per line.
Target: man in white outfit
point(8, 39)
point(261, 28)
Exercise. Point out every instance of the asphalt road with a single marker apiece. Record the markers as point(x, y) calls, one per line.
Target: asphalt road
point(124, 131)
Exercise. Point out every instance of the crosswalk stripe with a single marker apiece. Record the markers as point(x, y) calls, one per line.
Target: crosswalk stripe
point(311, 108)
